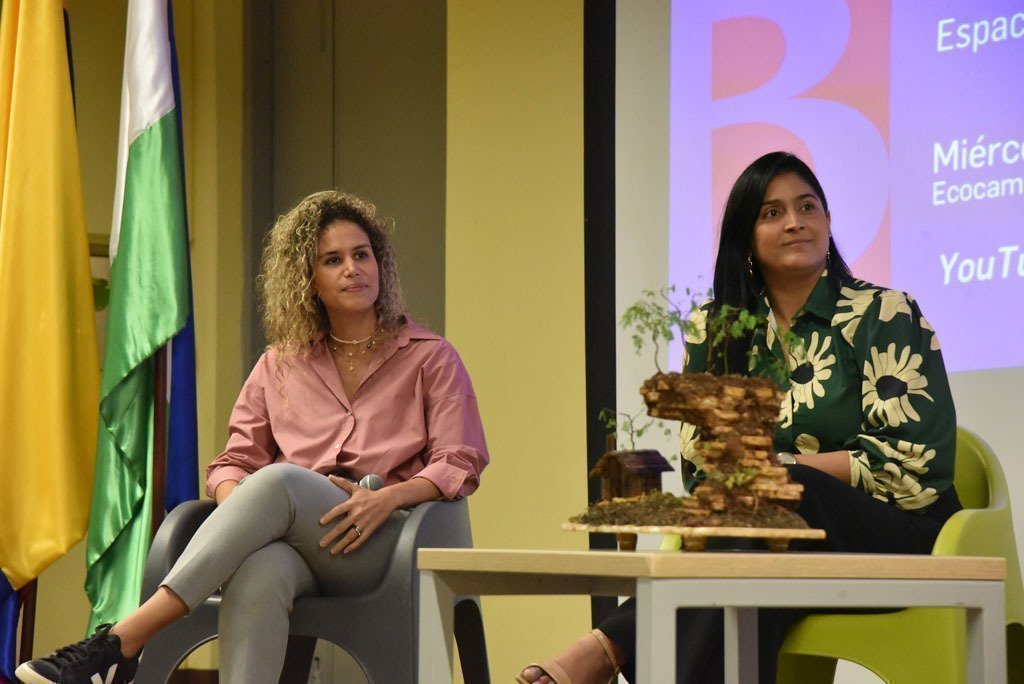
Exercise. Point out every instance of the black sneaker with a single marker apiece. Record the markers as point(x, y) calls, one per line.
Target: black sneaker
point(94, 660)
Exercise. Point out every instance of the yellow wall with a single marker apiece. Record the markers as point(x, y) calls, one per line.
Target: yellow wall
point(215, 106)
point(514, 288)
point(210, 45)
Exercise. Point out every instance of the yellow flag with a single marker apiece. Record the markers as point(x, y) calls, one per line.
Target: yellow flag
point(49, 377)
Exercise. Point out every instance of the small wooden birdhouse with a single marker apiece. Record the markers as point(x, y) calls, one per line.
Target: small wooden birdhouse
point(630, 472)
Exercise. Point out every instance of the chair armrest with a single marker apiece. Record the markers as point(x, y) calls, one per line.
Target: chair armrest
point(976, 532)
point(439, 524)
point(174, 534)
point(435, 524)
point(430, 524)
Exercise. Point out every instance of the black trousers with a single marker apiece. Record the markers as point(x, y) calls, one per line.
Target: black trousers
point(854, 521)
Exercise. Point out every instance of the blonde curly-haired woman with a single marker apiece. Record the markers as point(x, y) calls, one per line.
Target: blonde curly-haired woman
point(349, 386)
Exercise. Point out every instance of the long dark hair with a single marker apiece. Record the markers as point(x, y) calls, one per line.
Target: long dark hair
point(735, 284)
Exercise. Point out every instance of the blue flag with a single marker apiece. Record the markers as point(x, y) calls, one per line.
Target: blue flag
point(10, 602)
point(183, 437)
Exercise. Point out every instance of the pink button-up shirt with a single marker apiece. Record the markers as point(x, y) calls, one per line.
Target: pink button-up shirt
point(415, 415)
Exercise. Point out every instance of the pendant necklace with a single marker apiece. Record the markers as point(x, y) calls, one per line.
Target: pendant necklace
point(370, 341)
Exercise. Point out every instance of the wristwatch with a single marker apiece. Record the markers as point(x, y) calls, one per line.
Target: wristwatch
point(785, 458)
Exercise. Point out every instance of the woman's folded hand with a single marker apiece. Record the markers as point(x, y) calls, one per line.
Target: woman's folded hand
point(357, 519)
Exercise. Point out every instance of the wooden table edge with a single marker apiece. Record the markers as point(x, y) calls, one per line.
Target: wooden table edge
point(717, 565)
point(704, 532)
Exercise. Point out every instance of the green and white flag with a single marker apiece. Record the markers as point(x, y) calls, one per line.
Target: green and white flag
point(149, 304)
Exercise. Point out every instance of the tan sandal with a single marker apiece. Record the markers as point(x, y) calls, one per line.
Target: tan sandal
point(609, 653)
point(550, 668)
point(557, 673)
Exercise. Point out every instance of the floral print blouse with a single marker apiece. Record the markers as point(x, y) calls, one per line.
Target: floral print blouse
point(868, 379)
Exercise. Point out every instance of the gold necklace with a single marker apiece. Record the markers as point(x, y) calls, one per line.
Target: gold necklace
point(351, 367)
point(341, 341)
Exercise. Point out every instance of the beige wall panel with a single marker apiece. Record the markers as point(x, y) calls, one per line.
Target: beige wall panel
point(514, 258)
point(303, 97)
point(213, 87)
point(97, 46)
point(353, 113)
point(389, 114)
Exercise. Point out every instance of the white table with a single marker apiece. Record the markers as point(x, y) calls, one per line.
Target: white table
point(737, 582)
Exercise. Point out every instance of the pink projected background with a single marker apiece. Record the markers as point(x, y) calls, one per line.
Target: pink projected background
point(912, 116)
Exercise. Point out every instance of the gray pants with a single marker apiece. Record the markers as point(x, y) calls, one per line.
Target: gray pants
point(261, 545)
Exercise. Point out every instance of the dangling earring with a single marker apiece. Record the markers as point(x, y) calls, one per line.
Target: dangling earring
point(750, 265)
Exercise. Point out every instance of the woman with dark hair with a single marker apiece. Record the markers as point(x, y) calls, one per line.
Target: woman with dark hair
point(348, 387)
point(736, 248)
point(867, 424)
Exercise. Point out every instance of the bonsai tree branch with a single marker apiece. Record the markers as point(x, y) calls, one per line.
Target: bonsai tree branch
point(628, 425)
point(654, 318)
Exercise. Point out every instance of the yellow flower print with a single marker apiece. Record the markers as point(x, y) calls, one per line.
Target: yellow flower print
point(910, 456)
point(857, 302)
point(893, 303)
point(925, 325)
point(889, 482)
point(904, 487)
point(888, 383)
point(807, 444)
point(688, 438)
point(770, 334)
point(786, 410)
point(860, 472)
point(809, 366)
point(698, 330)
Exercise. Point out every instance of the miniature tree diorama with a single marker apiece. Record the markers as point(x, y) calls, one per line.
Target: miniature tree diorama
point(744, 492)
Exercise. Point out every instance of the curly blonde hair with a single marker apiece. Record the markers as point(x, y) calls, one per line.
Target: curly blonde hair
point(293, 316)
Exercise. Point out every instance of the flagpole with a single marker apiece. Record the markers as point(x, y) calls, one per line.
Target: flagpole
point(28, 619)
point(159, 438)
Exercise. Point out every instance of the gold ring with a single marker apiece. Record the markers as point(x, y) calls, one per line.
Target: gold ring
point(359, 532)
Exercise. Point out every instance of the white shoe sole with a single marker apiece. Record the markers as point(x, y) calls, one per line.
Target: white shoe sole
point(26, 675)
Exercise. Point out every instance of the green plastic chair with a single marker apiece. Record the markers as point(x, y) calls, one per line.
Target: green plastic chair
point(924, 644)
